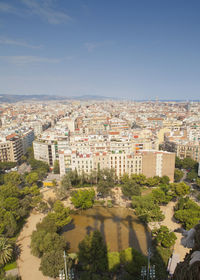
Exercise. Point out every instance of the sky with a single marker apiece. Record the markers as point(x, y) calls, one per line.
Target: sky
point(134, 49)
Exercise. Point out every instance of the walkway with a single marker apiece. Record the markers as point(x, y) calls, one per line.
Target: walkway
point(28, 264)
point(170, 222)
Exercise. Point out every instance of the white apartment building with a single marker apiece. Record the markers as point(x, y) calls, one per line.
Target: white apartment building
point(149, 163)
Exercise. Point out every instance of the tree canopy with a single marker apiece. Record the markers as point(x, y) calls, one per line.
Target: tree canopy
point(178, 175)
point(146, 208)
point(187, 212)
point(164, 237)
point(106, 181)
point(83, 199)
point(130, 186)
point(93, 253)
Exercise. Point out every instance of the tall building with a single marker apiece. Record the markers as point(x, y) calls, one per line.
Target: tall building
point(11, 148)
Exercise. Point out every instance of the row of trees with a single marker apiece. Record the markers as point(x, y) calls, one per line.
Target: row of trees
point(132, 185)
point(16, 201)
point(18, 195)
point(105, 181)
point(46, 241)
point(147, 206)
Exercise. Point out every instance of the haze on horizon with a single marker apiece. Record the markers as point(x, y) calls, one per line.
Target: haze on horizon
point(133, 49)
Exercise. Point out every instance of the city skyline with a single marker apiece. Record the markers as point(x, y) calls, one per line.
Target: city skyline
point(136, 50)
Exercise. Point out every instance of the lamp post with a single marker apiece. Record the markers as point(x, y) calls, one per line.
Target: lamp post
point(152, 272)
point(143, 272)
point(149, 271)
point(148, 265)
point(65, 261)
point(62, 274)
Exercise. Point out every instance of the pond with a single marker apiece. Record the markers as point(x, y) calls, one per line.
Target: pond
point(119, 226)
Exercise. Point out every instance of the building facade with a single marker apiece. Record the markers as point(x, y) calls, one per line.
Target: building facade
point(149, 163)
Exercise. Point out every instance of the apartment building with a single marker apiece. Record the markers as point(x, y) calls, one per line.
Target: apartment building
point(149, 163)
point(45, 151)
point(11, 148)
point(189, 149)
point(6, 151)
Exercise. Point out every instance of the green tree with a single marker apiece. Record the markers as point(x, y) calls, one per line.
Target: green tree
point(62, 189)
point(47, 224)
point(12, 204)
point(42, 172)
point(139, 179)
point(66, 182)
point(10, 224)
point(83, 199)
point(132, 262)
point(178, 163)
point(178, 175)
point(131, 188)
point(56, 167)
point(164, 180)
point(74, 177)
point(37, 238)
point(43, 242)
point(7, 166)
point(51, 263)
point(93, 253)
point(164, 237)
point(192, 176)
point(106, 181)
point(13, 178)
point(189, 163)
point(160, 197)
point(198, 182)
point(60, 215)
point(6, 251)
point(113, 261)
point(153, 181)
point(9, 190)
point(146, 208)
point(187, 212)
point(179, 189)
point(32, 178)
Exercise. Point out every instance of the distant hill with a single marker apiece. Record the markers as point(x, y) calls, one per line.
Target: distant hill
point(9, 98)
point(92, 97)
point(12, 98)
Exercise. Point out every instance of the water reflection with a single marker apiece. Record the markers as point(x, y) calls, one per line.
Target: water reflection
point(119, 226)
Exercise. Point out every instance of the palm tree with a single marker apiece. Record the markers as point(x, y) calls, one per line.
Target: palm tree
point(6, 251)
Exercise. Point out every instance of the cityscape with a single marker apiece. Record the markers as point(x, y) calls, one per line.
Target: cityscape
point(99, 140)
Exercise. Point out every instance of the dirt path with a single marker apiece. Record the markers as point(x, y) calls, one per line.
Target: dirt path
point(170, 222)
point(28, 264)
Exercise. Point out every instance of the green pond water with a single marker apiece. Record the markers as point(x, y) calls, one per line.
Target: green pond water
point(119, 226)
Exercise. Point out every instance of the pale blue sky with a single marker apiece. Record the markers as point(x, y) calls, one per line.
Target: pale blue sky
point(139, 49)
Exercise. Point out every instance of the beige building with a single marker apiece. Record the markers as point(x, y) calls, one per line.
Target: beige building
point(11, 149)
point(158, 163)
point(149, 163)
point(6, 151)
point(188, 150)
